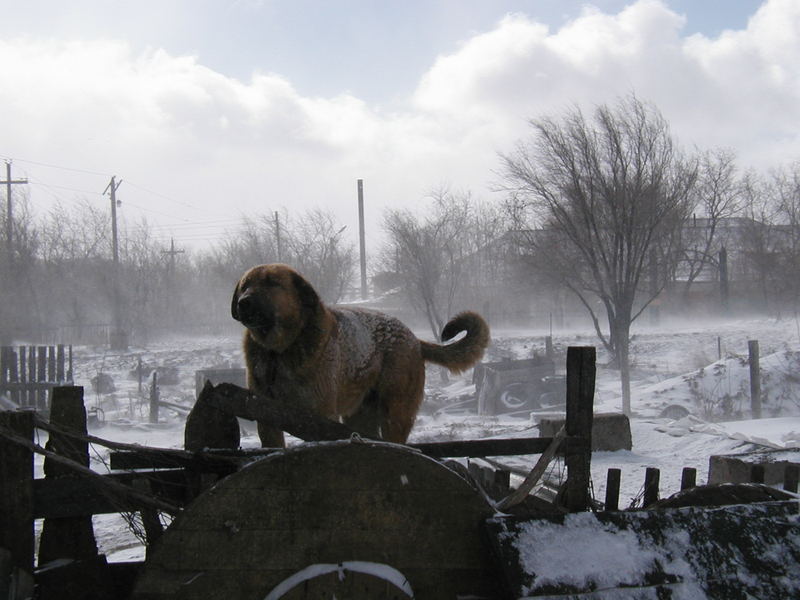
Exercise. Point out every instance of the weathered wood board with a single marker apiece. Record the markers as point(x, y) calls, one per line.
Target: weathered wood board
point(326, 503)
point(727, 553)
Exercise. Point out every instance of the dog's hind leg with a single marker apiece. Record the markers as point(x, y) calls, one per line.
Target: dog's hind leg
point(367, 419)
point(401, 401)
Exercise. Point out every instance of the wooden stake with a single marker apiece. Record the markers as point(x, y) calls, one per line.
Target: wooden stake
point(688, 478)
point(16, 489)
point(581, 370)
point(652, 477)
point(755, 379)
point(612, 489)
point(790, 478)
point(154, 399)
point(757, 473)
point(67, 537)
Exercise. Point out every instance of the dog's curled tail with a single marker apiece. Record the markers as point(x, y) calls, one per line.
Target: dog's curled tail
point(462, 354)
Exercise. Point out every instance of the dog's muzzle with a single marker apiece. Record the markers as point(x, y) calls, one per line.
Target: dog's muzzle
point(253, 315)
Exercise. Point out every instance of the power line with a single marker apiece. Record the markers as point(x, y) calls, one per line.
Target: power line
point(41, 164)
point(63, 187)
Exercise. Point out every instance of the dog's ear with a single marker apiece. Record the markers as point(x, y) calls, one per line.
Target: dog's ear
point(235, 303)
point(307, 294)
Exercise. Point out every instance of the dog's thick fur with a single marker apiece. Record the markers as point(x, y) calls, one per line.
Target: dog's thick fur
point(359, 365)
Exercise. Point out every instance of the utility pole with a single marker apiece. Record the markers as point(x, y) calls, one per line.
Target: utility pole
point(7, 307)
point(118, 338)
point(10, 212)
point(172, 252)
point(362, 239)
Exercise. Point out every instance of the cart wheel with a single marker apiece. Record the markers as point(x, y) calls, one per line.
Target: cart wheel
point(517, 396)
point(354, 519)
point(353, 579)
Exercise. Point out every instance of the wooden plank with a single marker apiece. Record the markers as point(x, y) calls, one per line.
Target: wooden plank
point(218, 460)
point(41, 375)
point(481, 448)
point(580, 402)
point(16, 489)
point(72, 497)
point(60, 364)
point(13, 376)
point(32, 393)
point(51, 363)
point(23, 377)
point(165, 458)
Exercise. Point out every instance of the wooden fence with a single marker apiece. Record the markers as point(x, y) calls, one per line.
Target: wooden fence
point(28, 373)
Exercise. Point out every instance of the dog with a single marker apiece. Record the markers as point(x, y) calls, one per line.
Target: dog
point(358, 366)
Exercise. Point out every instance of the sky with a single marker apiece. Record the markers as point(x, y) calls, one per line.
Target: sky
point(209, 111)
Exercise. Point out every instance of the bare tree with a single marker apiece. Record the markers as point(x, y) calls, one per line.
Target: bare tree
point(718, 195)
point(614, 193)
point(437, 257)
point(771, 236)
point(317, 248)
point(19, 302)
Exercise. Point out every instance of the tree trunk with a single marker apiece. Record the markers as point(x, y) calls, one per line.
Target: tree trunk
point(620, 329)
point(625, 380)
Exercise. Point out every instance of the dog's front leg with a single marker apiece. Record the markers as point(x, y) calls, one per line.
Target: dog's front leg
point(270, 436)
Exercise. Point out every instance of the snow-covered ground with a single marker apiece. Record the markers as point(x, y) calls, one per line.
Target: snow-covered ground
point(701, 367)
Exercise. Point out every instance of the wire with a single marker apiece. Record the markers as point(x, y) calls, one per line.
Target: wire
point(63, 187)
point(41, 164)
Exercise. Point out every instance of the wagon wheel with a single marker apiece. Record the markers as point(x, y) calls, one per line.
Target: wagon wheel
point(517, 396)
point(346, 518)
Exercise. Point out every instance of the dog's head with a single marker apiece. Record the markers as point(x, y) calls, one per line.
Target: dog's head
point(274, 303)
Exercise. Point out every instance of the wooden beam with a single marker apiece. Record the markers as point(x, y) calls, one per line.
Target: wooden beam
point(294, 418)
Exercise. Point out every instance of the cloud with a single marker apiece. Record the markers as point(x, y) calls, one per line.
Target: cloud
point(739, 89)
point(222, 146)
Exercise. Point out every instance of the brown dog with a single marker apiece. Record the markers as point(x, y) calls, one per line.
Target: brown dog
point(360, 366)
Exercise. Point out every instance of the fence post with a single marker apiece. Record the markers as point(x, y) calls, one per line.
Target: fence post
point(757, 473)
point(16, 489)
point(61, 359)
point(791, 475)
point(41, 376)
point(612, 489)
point(154, 399)
point(688, 478)
point(33, 394)
point(581, 370)
point(67, 537)
point(755, 379)
point(139, 374)
point(652, 477)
